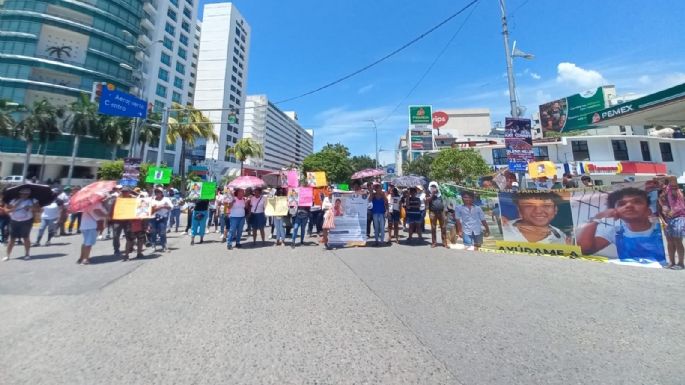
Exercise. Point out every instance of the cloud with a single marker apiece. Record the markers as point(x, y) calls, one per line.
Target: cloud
point(535, 76)
point(571, 74)
point(365, 89)
point(644, 79)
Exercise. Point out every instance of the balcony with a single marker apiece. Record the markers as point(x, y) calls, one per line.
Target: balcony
point(147, 24)
point(150, 7)
point(144, 40)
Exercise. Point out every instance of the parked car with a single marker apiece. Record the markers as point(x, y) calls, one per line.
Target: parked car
point(13, 179)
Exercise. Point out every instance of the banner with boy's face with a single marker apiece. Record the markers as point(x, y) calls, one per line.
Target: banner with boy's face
point(350, 212)
point(618, 224)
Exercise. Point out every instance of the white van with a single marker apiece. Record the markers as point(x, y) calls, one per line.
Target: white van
point(13, 179)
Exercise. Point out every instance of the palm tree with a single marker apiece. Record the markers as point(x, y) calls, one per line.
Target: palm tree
point(149, 131)
point(83, 120)
point(39, 122)
point(245, 148)
point(115, 131)
point(188, 125)
point(59, 51)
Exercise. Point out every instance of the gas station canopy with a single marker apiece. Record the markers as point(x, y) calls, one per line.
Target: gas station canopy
point(663, 108)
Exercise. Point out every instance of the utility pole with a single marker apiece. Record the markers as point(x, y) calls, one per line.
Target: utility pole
point(162, 136)
point(510, 64)
point(375, 128)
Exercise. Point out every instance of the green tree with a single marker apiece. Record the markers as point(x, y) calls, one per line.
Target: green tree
point(361, 162)
point(455, 165)
point(112, 170)
point(420, 166)
point(40, 122)
point(83, 120)
point(114, 131)
point(243, 149)
point(7, 122)
point(188, 125)
point(334, 160)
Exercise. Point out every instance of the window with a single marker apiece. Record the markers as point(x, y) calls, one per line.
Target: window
point(185, 26)
point(237, 31)
point(174, 2)
point(580, 150)
point(163, 74)
point(646, 155)
point(176, 97)
point(170, 29)
point(499, 156)
point(235, 70)
point(541, 153)
point(159, 106)
point(161, 91)
point(188, 13)
point(172, 14)
point(166, 59)
point(183, 39)
point(178, 82)
point(182, 53)
point(666, 154)
point(180, 68)
point(168, 43)
point(620, 149)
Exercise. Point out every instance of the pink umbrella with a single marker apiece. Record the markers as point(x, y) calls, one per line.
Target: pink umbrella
point(91, 195)
point(244, 182)
point(368, 173)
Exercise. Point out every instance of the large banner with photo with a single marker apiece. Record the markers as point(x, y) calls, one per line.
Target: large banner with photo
point(617, 224)
point(350, 212)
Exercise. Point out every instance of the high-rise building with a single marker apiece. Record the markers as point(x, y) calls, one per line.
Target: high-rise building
point(284, 141)
point(167, 53)
point(222, 80)
point(56, 50)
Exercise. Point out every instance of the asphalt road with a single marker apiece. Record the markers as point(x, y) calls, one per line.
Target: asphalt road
point(391, 315)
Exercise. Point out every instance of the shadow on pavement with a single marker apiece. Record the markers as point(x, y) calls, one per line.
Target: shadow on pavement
point(44, 256)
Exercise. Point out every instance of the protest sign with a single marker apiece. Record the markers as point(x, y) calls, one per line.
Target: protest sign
point(276, 207)
point(158, 175)
point(306, 196)
point(350, 212)
point(316, 179)
point(293, 178)
point(208, 191)
point(132, 208)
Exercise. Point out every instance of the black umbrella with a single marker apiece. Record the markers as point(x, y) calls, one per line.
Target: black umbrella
point(42, 193)
point(409, 181)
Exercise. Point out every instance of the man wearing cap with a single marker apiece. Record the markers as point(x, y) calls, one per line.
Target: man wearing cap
point(21, 210)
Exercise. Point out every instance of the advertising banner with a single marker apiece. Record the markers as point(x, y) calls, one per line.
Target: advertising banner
point(518, 141)
point(618, 224)
point(420, 115)
point(132, 208)
point(656, 99)
point(316, 179)
point(350, 220)
point(158, 175)
point(421, 139)
point(571, 113)
point(276, 207)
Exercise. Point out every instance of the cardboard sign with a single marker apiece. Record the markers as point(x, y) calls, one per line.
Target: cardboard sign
point(132, 208)
point(306, 196)
point(276, 207)
point(293, 178)
point(159, 175)
point(540, 169)
point(208, 191)
point(316, 179)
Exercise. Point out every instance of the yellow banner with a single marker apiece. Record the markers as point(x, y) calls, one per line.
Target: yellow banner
point(540, 248)
point(540, 169)
point(316, 179)
point(276, 207)
point(132, 208)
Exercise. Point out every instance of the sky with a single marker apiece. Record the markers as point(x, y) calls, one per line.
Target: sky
point(300, 45)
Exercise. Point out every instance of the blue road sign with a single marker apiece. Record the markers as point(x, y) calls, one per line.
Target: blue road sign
point(390, 170)
point(117, 103)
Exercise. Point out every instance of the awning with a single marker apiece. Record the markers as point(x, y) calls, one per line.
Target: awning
point(663, 108)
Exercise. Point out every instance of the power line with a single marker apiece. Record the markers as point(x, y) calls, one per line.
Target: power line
point(384, 58)
point(430, 67)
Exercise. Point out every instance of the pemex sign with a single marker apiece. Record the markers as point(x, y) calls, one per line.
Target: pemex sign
point(420, 115)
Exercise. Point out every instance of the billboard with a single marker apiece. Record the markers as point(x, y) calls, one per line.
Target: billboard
point(421, 140)
point(420, 115)
point(570, 113)
point(518, 141)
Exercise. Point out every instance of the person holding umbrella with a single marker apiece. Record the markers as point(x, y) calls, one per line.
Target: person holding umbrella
point(21, 211)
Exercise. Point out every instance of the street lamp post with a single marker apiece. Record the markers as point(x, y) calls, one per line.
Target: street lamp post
point(515, 110)
point(375, 128)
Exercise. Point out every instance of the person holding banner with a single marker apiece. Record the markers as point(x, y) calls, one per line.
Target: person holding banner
point(379, 210)
point(412, 206)
point(436, 212)
point(672, 211)
point(471, 222)
point(161, 207)
point(199, 220)
point(238, 207)
point(300, 219)
point(278, 225)
point(394, 219)
point(636, 238)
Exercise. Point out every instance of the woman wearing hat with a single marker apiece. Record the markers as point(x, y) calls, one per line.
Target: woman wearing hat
point(21, 211)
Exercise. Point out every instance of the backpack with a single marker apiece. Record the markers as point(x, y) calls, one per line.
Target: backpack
point(437, 205)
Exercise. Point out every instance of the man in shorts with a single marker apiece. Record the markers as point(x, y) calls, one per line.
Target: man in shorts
point(471, 222)
point(21, 211)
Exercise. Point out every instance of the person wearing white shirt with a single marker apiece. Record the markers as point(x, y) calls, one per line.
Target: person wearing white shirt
point(161, 208)
point(90, 225)
point(257, 216)
point(48, 220)
point(21, 212)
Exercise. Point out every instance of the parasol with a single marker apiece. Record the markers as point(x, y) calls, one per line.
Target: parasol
point(91, 195)
point(42, 193)
point(368, 173)
point(244, 182)
point(409, 181)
